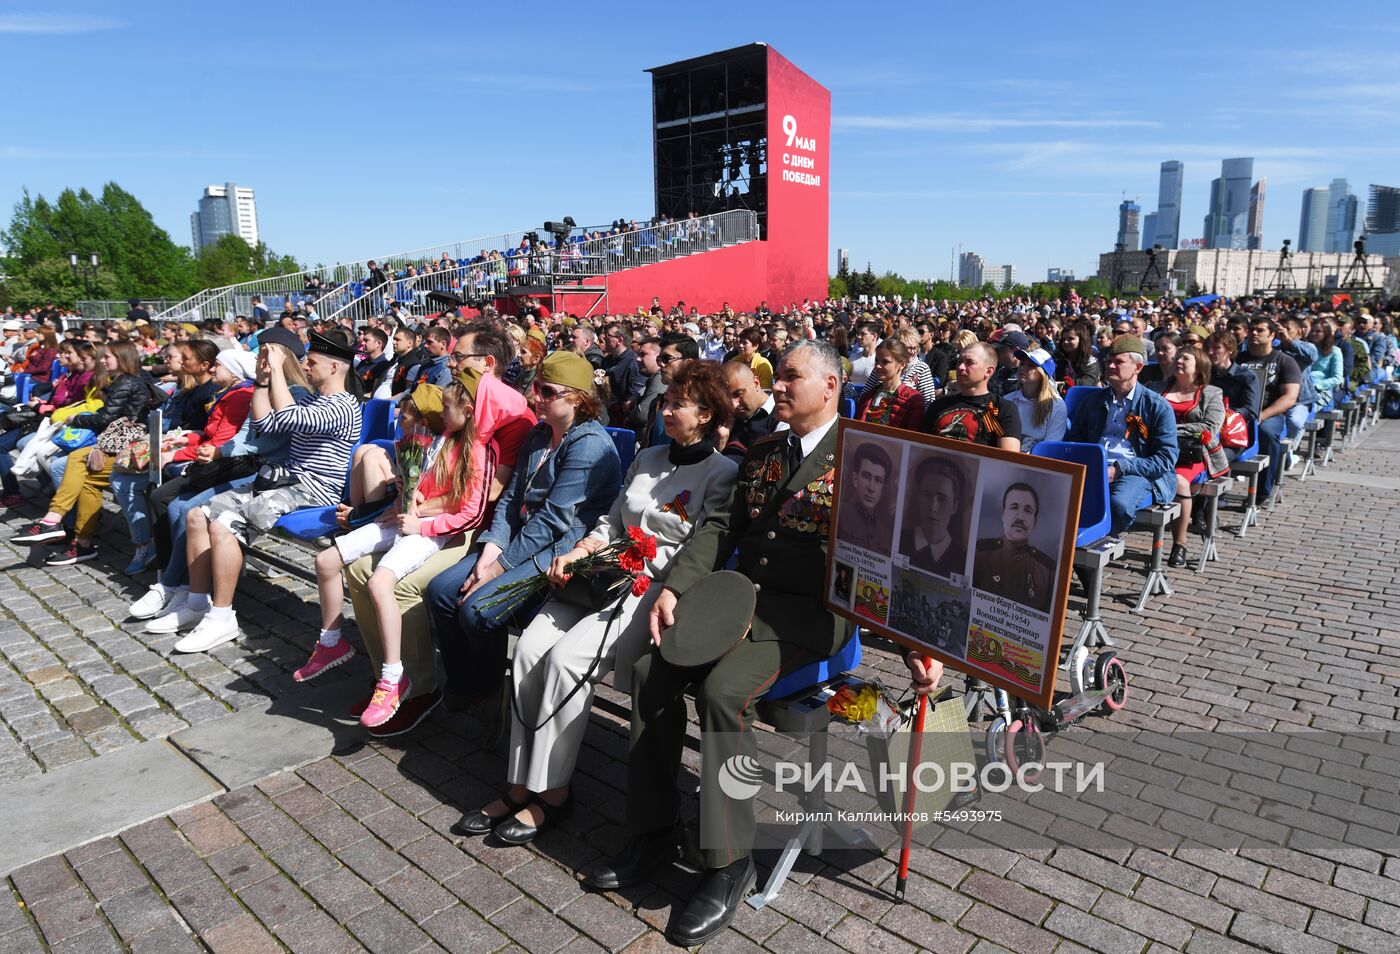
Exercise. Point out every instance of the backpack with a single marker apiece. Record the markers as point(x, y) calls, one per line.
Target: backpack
point(1390, 401)
point(1361, 369)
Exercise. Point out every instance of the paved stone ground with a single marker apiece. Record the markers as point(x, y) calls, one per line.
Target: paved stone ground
point(1296, 631)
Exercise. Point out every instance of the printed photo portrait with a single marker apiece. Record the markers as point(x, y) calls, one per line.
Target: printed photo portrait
point(938, 490)
point(934, 613)
point(1021, 528)
point(868, 481)
point(842, 577)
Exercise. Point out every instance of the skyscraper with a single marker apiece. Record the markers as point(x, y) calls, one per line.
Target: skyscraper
point(970, 267)
point(1312, 225)
point(1128, 228)
point(1169, 204)
point(1227, 224)
point(1149, 230)
point(1341, 217)
point(226, 209)
point(1383, 220)
point(1255, 224)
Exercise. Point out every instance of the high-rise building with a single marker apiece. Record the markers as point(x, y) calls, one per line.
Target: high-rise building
point(227, 209)
point(843, 259)
point(1057, 275)
point(1227, 222)
point(970, 270)
point(1000, 277)
point(1149, 230)
point(1312, 224)
point(1341, 217)
point(1255, 225)
point(1128, 227)
point(1383, 220)
point(1169, 204)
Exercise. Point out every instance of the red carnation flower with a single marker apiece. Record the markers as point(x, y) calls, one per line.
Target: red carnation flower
point(640, 585)
point(645, 542)
point(631, 560)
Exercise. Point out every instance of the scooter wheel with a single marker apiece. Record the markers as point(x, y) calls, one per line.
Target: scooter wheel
point(1025, 744)
point(1110, 674)
point(995, 741)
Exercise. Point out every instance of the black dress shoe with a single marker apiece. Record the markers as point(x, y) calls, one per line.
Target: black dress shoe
point(642, 855)
point(516, 832)
point(1178, 557)
point(714, 903)
point(480, 823)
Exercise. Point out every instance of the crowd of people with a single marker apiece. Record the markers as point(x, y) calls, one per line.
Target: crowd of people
point(731, 414)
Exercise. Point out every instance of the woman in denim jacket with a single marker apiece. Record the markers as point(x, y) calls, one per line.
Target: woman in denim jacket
point(567, 477)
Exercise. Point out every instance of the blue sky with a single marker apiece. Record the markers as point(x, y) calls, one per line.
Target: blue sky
point(1013, 129)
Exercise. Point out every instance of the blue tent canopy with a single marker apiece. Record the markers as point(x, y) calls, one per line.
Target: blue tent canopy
point(1201, 300)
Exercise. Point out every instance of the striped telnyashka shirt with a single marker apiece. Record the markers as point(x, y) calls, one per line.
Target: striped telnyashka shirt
point(324, 432)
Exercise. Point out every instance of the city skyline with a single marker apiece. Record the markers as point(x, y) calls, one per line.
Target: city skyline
point(927, 152)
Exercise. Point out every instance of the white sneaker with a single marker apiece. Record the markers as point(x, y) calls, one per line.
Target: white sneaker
point(157, 602)
point(178, 617)
point(209, 633)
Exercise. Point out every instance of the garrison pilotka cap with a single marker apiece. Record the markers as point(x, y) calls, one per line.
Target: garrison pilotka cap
point(427, 401)
point(469, 378)
point(332, 346)
point(568, 369)
point(1127, 344)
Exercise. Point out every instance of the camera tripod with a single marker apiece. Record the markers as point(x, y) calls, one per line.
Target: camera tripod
point(1358, 273)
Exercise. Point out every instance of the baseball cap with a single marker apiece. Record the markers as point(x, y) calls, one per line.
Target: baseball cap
point(13, 325)
point(1038, 357)
point(1013, 339)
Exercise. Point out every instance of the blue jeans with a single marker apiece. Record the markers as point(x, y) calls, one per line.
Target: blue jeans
point(1270, 446)
point(1126, 496)
point(472, 637)
point(130, 491)
point(177, 570)
point(9, 443)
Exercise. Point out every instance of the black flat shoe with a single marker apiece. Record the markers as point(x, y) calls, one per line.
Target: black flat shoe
point(714, 903)
point(1178, 557)
point(516, 832)
point(480, 823)
point(642, 855)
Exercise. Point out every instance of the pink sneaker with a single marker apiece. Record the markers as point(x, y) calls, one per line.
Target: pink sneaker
point(385, 701)
point(324, 657)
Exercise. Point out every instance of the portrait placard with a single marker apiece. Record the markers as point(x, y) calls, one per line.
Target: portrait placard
point(959, 551)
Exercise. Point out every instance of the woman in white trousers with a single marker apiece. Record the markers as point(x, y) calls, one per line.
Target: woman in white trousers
point(667, 492)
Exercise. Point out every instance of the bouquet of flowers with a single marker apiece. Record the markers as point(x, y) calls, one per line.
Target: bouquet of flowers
point(410, 457)
point(866, 706)
point(621, 565)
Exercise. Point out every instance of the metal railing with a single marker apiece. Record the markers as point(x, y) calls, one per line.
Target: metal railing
point(343, 289)
point(116, 310)
point(645, 245)
point(315, 284)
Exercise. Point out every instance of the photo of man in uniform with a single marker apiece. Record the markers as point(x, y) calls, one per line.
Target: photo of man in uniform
point(1008, 565)
point(935, 520)
point(867, 517)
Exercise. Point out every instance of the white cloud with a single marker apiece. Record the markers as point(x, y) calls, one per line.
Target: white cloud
point(954, 122)
point(50, 23)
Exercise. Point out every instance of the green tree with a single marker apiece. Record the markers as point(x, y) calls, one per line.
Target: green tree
point(836, 287)
point(138, 257)
point(231, 260)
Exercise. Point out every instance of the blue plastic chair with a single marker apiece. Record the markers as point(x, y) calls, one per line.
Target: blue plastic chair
point(24, 387)
point(626, 443)
point(55, 369)
point(1094, 518)
point(848, 407)
point(1252, 451)
point(378, 420)
point(846, 659)
point(1075, 396)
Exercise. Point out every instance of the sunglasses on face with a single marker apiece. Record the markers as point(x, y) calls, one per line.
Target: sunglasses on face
point(664, 359)
point(549, 392)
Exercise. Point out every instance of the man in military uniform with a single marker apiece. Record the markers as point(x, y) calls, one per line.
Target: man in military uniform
point(778, 520)
point(1008, 565)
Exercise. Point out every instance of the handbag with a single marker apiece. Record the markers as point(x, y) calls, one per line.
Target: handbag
point(594, 591)
point(73, 438)
point(946, 743)
point(206, 474)
point(1234, 433)
point(23, 417)
point(273, 476)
